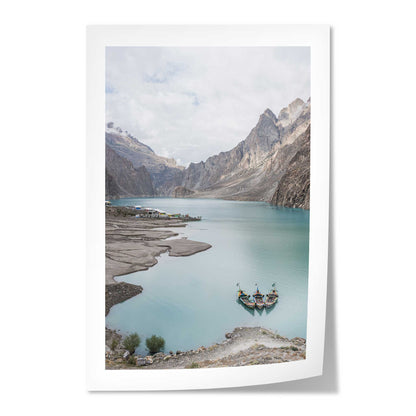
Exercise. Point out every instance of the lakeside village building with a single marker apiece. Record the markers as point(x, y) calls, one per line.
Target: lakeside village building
point(154, 213)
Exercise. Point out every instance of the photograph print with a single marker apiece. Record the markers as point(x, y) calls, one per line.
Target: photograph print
point(207, 202)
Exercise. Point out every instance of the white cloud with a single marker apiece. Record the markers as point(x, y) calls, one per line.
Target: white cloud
point(191, 103)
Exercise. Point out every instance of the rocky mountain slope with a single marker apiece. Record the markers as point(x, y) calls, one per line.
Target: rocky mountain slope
point(252, 170)
point(122, 179)
point(293, 189)
point(165, 173)
point(246, 155)
point(181, 192)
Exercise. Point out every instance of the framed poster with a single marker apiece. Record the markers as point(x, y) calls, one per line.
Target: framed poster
point(208, 190)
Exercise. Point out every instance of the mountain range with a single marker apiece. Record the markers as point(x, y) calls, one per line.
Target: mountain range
point(270, 164)
point(122, 179)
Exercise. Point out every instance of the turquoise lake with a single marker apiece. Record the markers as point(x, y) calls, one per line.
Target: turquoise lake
point(191, 301)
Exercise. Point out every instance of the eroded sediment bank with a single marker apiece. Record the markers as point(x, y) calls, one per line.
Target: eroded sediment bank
point(132, 244)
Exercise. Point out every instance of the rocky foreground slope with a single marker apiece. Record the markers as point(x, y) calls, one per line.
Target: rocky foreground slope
point(244, 346)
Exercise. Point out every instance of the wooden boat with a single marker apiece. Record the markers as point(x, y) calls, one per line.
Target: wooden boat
point(244, 298)
point(258, 299)
point(271, 297)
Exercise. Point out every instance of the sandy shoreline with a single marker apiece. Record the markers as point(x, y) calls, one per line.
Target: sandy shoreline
point(133, 244)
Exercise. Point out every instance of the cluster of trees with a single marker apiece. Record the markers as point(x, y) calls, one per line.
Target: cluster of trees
point(154, 343)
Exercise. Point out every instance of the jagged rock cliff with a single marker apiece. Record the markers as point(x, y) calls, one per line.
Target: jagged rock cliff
point(122, 179)
point(182, 192)
point(246, 155)
point(164, 172)
point(293, 189)
point(252, 170)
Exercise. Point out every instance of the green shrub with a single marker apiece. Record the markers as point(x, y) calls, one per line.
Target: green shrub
point(193, 365)
point(114, 344)
point(131, 342)
point(154, 344)
point(293, 348)
point(131, 360)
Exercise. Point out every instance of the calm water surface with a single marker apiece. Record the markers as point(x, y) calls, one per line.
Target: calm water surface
point(191, 301)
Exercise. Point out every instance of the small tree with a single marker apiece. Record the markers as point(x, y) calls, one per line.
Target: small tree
point(131, 342)
point(154, 344)
point(114, 344)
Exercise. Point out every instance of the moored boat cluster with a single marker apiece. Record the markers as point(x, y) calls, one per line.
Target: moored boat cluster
point(258, 301)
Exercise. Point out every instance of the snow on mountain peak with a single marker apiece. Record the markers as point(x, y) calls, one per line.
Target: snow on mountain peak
point(110, 128)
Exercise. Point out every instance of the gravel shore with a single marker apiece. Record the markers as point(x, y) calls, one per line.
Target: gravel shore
point(119, 292)
point(244, 346)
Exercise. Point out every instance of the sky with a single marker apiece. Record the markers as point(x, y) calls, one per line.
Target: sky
point(192, 103)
